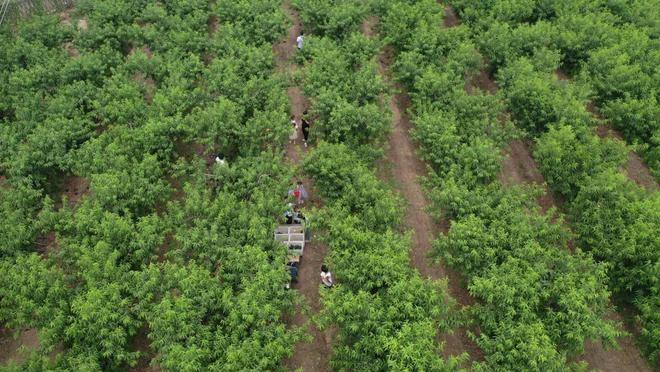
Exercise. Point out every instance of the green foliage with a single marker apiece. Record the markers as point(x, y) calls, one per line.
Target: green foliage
point(33, 293)
point(20, 218)
point(616, 222)
point(536, 100)
point(347, 90)
point(105, 311)
point(537, 302)
point(342, 177)
point(261, 21)
point(567, 156)
point(118, 104)
point(333, 18)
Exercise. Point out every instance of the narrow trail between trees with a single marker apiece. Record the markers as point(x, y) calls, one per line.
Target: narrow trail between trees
point(407, 168)
point(519, 167)
point(314, 355)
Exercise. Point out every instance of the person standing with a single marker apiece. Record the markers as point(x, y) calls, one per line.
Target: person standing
point(294, 130)
point(300, 39)
point(220, 159)
point(300, 193)
point(326, 277)
point(305, 128)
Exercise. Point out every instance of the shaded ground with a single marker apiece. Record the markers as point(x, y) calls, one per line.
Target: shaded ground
point(212, 24)
point(451, 18)
point(406, 168)
point(519, 167)
point(74, 188)
point(627, 358)
point(313, 355)
point(10, 346)
point(142, 344)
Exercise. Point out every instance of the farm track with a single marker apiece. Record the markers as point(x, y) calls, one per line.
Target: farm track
point(314, 355)
point(406, 168)
point(520, 167)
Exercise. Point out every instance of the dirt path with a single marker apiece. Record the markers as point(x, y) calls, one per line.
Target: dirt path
point(314, 355)
point(451, 18)
point(406, 168)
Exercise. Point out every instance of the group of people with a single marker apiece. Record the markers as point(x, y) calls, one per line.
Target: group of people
point(304, 125)
point(299, 193)
point(293, 215)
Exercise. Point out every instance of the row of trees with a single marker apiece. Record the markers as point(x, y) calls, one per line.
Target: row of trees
point(609, 45)
point(537, 302)
point(387, 315)
point(162, 246)
point(612, 51)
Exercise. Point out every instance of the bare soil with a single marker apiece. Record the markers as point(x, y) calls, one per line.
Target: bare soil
point(71, 50)
point(149, 85)
point(74, 188)
point(47, 243)
point(368, 27)
point(451, 18)
point(313, 355)
point(10, 347)
point(561, 75)
point(626, 358)
point(65, 17)
point(142, 344)
point(213, 23)
point(481, 81)
point(519, 167)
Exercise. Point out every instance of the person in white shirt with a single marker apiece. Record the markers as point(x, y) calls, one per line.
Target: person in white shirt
point(300, 39)
point(326, 276)
point(220, 159)
point(294, 130)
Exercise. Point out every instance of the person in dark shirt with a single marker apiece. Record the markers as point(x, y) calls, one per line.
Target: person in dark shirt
point(305, 128)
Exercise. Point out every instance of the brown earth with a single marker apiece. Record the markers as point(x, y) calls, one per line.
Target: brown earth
point(142, 344)
point(315, 354)
point(407, 168)
point(626, 358)
point(451, 18)
point(47, 243)
point(518, 167)
point(74, 188)
point(212, 24)
point(10, 346)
